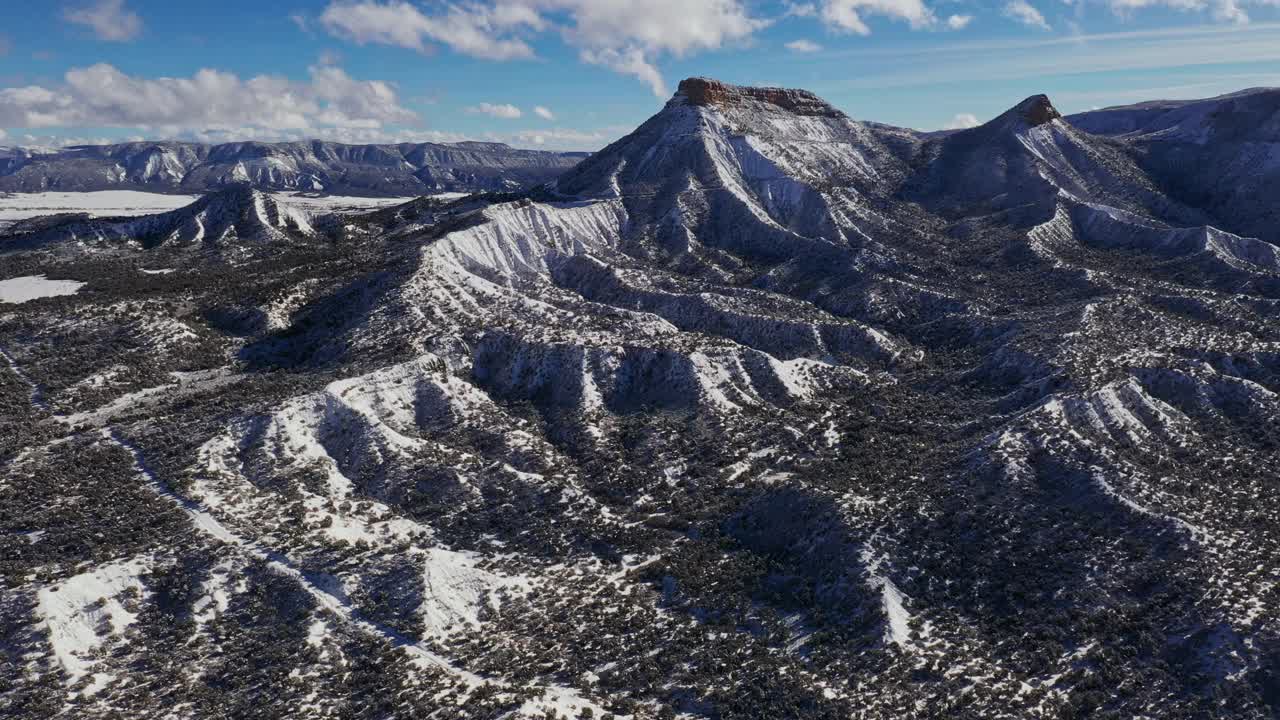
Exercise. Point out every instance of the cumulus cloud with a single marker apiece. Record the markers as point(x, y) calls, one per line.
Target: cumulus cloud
point(678, 27)
point(109, 19)
point(544, 113)
point(501, 111)
point(626, 36)
point(962, 121)
point(1025, 13)
point(847, 15)
point(103, 96)
point(347, 102)
point(472, 30)
point(804, 46)
point(959, 22)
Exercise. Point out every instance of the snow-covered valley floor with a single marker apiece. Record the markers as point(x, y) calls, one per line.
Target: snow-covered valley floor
point(106, 203)
point(33, 287)
point(127, 203)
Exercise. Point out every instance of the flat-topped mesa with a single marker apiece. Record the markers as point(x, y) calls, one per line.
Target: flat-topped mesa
point(1037, 110)
point(708, 92)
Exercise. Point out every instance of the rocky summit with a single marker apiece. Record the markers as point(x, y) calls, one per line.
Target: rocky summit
point(762, 411)
point(704, 91)
point(1037, 110)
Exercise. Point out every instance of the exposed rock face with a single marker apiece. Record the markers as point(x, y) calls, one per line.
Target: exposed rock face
point(1037, 110)
point(704, 91)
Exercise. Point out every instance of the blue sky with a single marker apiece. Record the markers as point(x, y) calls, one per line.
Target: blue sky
point(576, 74)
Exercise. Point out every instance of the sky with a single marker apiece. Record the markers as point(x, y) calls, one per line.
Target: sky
point(578, 74)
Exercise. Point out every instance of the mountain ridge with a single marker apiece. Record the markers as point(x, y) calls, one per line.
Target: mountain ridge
point(315, 165)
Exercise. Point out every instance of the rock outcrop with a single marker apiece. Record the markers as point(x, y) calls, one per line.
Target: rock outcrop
point(704, 91)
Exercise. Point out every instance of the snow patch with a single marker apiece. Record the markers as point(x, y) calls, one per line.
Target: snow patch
point(106, 203)
point(456, 590)
point(33, 287)
point(82, 611)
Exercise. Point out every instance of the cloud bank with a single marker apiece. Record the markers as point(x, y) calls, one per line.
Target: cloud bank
point(103, 96)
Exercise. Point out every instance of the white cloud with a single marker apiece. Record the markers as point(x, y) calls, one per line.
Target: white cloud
point(959, 22)
point(1230, 11)
point(1222, 10)
point(846, 15)
point(51, 142)
point(1025, 13)
point(103, 96)
point(563, 138)
point(302, 21)
point(804, 46)
point(631, 62)
point(347, 102)
point(109, 19)
point(544, 113)
point(678, 27)
point(472, 30)
point(962, 121)
point(626, 36)
point(3, 134)
point(351, 136)
point(1047, 55)
point(503, 111)
point(795, 9)
point(549, 139)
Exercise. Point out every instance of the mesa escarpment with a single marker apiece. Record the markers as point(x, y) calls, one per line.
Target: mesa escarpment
point(705, 91)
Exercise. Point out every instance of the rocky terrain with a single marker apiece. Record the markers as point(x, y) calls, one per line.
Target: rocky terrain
point(760, 412)
point(335, 168)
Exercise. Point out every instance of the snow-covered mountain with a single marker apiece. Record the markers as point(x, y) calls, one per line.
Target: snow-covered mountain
point(390, 170)
point(1219, 155)
point(762, 411)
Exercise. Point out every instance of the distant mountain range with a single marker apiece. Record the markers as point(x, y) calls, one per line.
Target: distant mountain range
point(335, 168)
point(761, 412)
